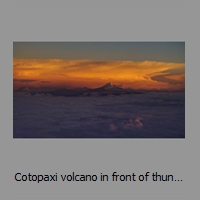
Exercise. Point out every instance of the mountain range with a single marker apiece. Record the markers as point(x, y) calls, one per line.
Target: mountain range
point(105, 90)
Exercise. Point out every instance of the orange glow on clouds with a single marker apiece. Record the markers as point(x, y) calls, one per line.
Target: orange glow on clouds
point(55, 73)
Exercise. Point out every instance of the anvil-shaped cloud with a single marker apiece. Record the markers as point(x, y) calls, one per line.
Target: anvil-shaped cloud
point(58, 73)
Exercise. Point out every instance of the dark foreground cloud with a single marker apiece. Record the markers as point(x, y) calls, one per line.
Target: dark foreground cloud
point(45, 82)
point(163, 78)
point(24, 80)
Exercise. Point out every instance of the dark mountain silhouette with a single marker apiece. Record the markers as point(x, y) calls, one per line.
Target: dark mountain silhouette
point(68, 92)
point(24, 89)
point(108, 88)
point(105, 90)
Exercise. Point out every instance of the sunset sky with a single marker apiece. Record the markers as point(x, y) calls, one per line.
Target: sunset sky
point(137, 65)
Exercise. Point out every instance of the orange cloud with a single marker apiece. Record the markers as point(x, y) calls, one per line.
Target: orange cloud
point(81, 73)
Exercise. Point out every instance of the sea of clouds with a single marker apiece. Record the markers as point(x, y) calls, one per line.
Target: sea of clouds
point(147, 115)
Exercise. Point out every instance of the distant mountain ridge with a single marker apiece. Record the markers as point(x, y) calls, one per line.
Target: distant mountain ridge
point(24, 89)
point(105, 90)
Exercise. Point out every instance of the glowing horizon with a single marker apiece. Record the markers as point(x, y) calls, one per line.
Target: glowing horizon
point(137, 65)
point(60, 73)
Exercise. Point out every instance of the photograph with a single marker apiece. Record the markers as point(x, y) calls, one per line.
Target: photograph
point(102, 90)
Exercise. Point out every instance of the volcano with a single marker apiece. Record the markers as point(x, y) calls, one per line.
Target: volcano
point(105, 90)
point(108, 87)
